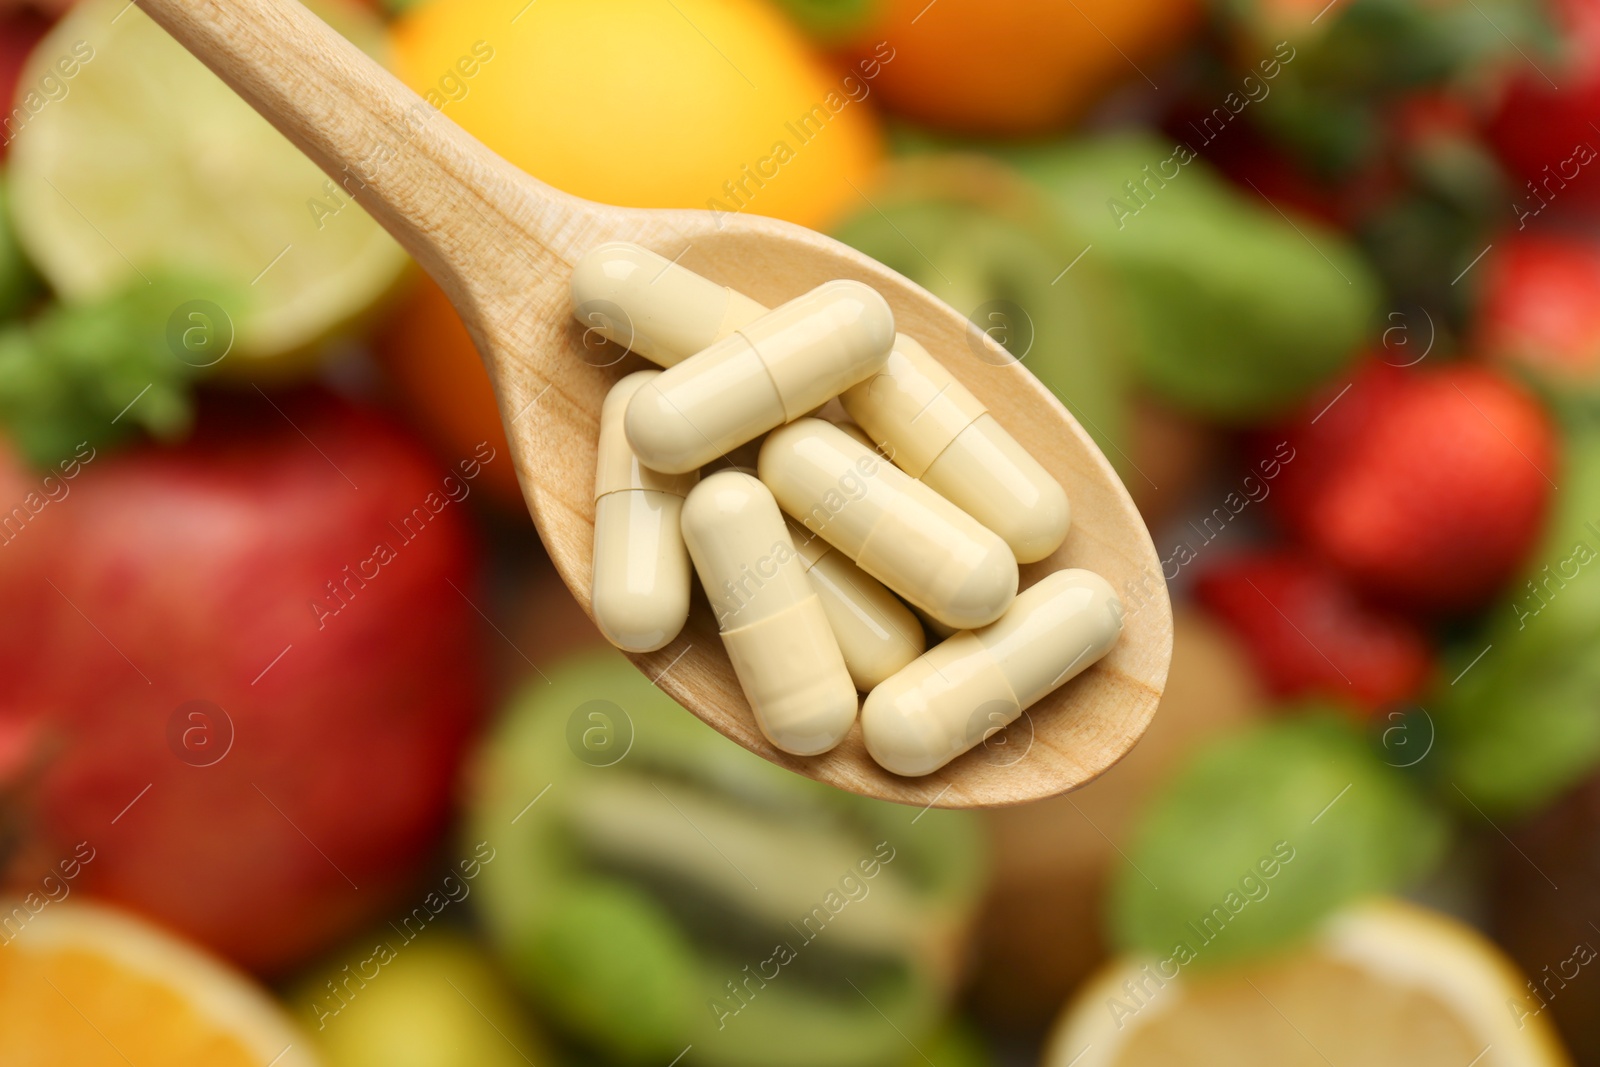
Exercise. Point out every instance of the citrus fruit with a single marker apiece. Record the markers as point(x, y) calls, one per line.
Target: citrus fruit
point(435, 1002)
point(647, 104)
point(148, 163)
point(85, 986)
point(1384, 984)
point(631, 102)
point(1021, 67)
point(429, 355)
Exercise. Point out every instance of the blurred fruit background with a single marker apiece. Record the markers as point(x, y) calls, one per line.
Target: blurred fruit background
point(306, 753)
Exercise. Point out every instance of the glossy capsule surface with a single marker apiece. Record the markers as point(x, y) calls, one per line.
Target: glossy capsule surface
point(963, 689)
point(772, 621)
point(641, 567)
point(877, 634)
point(769, 372)
point(936, 430)
point(914, 409)
point(889, 524)
point(649, 305)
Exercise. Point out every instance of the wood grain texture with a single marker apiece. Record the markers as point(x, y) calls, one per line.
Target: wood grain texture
point(502, 245)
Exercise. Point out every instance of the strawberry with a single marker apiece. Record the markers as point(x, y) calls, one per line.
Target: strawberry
point(1543, 128)
point(1540, 308)
point(1310, 635)
point(1424, 488)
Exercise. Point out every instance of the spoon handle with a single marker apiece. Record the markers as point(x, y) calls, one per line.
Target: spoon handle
point(441, 193)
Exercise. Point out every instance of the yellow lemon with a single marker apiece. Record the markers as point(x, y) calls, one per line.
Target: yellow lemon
point(650, 103)
point(1386, 984)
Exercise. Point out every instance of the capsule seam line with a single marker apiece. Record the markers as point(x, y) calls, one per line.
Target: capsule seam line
point(638, 489)
point(783, 401)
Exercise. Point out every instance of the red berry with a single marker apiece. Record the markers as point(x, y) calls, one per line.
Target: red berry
point(1424, 488)
point(1309, 635)
point(1541, 307)
point(1544, 127)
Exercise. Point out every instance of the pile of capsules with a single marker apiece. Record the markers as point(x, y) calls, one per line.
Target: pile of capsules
point(926, 496)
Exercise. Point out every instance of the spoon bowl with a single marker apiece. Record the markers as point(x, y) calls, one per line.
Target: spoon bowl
point(503, 245)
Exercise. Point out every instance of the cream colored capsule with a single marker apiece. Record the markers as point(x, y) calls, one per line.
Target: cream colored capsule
point(641, 569)
point(934, 626)
point(914, 409)
point(893, 527)
point(770, 372)
point(964, 689)
point(856, 432)
point(772, 621)
point(937, 431)
point(877, 634)
point(648, 304)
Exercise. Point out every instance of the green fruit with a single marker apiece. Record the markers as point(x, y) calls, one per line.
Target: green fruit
point(1240, 311)
point(986, 243)
point(436, 1002)
point(149, 164)
point(609, 945)
point(657, 888)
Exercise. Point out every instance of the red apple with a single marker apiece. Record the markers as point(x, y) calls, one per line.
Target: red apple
point(247, 666)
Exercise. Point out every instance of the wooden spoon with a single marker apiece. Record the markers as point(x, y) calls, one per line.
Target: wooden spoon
point(502, 245)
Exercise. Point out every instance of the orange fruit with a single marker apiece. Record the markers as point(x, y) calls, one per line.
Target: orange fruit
point(1386, 984)
point(1022, 66)
point(644, 103)
point(633, 102)
point(435, 366)
point(85, 986)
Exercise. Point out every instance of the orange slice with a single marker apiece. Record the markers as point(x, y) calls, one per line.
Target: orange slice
point(85, 986)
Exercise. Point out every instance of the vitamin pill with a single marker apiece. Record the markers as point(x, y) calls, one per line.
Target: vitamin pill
point(650, 305)
point(961, 691)
point(858, 433)
point(772, 620)
point(877, 634)
point(641, 569)
point(892, 526)
point(934, 626)
point(770, 372)
point(938, 432)
point(929, 423)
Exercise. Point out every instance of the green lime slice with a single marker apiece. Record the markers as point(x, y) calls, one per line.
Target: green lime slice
point(134, 160)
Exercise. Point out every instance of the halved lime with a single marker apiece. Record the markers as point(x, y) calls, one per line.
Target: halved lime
point(139, 161)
